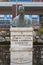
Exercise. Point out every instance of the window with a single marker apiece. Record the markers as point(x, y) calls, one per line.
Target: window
point(37, 0)
point(5, 20)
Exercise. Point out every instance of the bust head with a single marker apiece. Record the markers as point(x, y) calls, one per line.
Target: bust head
point(21, 9)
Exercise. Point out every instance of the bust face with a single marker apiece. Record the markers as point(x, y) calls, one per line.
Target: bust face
point(21, 9)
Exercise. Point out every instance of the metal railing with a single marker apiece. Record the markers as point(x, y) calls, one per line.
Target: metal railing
point(38, 55)
point(5, 55)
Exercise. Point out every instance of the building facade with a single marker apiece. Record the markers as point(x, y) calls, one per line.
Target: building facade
point(21, 0)
point(4, 0)
point(37, 0)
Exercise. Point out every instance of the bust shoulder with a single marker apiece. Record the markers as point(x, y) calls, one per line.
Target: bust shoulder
point(26, 17)
point(16, 18)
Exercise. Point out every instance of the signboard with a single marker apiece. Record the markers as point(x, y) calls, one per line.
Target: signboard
point(21, 46)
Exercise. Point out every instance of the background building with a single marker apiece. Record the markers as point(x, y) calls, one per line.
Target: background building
point(35, 21)
point(21, 0)
point(37, 0)
point(4, 0)
point(9, 8)
point(7, 12)
point(41, 19)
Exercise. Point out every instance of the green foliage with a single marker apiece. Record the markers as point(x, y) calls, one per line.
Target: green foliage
point(5, 43)
point(40, 30)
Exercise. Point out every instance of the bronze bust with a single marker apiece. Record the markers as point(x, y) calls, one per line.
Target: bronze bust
point(21, 20)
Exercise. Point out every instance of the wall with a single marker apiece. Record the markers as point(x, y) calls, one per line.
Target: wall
point(37, 0)
point(3, 0)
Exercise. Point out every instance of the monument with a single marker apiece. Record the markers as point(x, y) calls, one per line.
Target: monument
point(21, 48)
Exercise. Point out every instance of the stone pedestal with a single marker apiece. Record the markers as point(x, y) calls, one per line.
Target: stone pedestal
point(21, 46)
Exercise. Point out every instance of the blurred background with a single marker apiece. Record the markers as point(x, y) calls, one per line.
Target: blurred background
point(34, 11)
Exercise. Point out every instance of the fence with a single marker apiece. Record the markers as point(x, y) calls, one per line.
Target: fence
point(5, 55)
point(38, 55)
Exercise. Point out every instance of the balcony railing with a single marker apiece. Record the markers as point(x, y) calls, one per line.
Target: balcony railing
point(21, 0)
